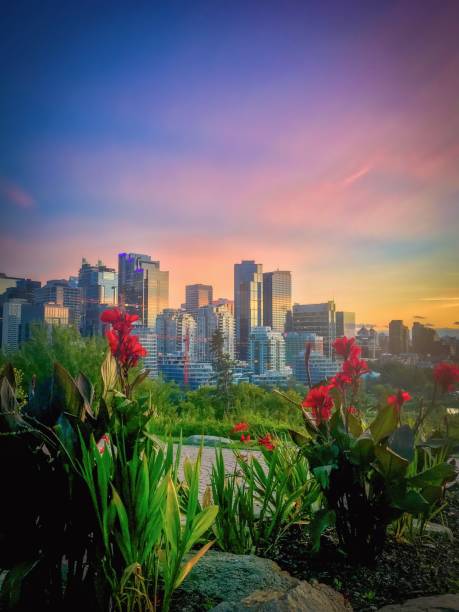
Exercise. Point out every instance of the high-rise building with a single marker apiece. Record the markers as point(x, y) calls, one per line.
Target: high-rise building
point(186, 335)
point(210, 318)
point(99, 290)
point(147, 338)
point(11, 327)
point(295, 343)
point(248, 303)
point(277, 299)
point(7, 281)
point(266, 350)
point(166, 331)
point(345, 324)
point(225, 302)
point(398, 337)
point(172, 368)
point(320, 368)
point(367, 339)
point(143, 288)
point(60, 292)
point(425, 339)
point(316, 319)
point(197, 296)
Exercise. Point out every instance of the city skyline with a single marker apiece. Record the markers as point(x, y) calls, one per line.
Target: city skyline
point(318, 140)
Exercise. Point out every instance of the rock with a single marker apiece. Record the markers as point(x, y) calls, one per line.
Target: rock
point(197, 440)
point(433, 603)
point(247, 582)
point(304, 597)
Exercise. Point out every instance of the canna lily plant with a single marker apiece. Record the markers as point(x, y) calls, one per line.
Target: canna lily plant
point(363, 469)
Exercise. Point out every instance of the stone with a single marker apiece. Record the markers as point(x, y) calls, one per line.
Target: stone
point(247, 582)
point(304, 597)
point(432, 603)
point(197, 440)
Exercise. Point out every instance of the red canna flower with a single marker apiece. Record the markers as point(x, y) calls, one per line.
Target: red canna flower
point(242, 426)
point(345, 347)
point(399, 399)
point(245, 439)
point(446, 375)
point(354, 367)
point(126, 348)
point(339, 381)
point(320, 402)
point(267, 442)
point(352, 410)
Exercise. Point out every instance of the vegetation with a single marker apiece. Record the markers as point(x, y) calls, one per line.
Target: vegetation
point(99, 515)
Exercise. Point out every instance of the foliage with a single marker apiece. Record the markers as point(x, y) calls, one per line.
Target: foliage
point(366, 473)
point(140, 521)
point(223, 366)
point(261, 498)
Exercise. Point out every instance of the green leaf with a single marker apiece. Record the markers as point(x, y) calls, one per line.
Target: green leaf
point(354, 425)
point(322, 520)
point(322, 474)
point(12, 584)
point(125, 539)
point(434, 476)
point(8, 373)
point(188, 566)
point(363, 451)
point(109, 373)
point(411, 502)
point(300, 439)
point(391, 465)
point(384, 423)
point(86, 389)
point(172, 517)
point(401, 442)
point(66, 396)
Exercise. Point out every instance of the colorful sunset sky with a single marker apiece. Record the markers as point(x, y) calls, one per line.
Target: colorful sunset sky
point(317, 137)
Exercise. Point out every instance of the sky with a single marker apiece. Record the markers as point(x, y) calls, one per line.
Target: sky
point(317, 137)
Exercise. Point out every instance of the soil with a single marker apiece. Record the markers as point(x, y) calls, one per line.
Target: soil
point(427, 566)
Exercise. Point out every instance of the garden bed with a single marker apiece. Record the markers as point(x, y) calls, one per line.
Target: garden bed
point(425, 567)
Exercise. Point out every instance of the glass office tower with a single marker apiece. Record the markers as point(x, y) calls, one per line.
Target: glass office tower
point(248, 303)
point(277, 299)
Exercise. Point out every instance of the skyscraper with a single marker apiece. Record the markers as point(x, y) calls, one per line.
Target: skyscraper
point(266, 350)
point(211, 318)
point(248, 302)
point(166, 331)
point(143, 288)
point(197, 296)
point(398, 337)
point(425, 339)
point(99, 289)
point(345, 324)
point(317, 319)
point(277, 299)
point(11, 327)
point(60, 292)
point(148, 340)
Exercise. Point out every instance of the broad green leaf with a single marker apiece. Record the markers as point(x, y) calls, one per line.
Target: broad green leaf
point(125, 539)
point(391, 465)
point(66, 396)
point(401, 442)
point(86, 389)
point(363, 451)
point(384, 423)
point(200, 525)
point(300, 439)
point(355, 425)
point(322, 520)
point(411, 502)
point(322, 474)
point(434, 476)
point(109, 373)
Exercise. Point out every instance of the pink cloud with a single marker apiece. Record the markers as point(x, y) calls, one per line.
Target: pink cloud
point(15, 195)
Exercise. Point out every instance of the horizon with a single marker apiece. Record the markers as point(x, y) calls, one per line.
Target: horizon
point(320, 140)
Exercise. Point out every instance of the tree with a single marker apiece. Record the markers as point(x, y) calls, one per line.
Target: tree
point(223, 366)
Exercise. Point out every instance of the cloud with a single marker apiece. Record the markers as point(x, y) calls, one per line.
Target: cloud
point(418, 317)
point(15, 195)
point(456, 323)
point(347, 182)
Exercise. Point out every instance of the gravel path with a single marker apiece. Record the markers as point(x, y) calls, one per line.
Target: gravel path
point(208, 458)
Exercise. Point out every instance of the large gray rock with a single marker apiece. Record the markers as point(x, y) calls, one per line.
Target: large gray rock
point(247, 582)
point(304, 597)
point(433, 603)
point(197, 440)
